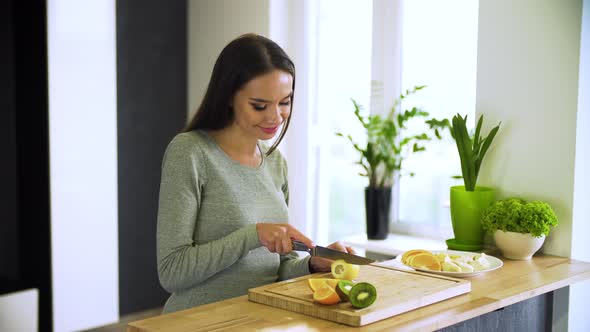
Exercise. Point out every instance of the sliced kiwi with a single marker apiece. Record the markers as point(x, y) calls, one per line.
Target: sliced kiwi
point(362, 295)
point(343, 288)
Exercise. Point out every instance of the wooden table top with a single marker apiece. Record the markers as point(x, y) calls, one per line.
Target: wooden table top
point(514, 282)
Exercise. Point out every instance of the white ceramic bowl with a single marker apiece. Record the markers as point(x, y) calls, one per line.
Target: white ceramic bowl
point(518, 246)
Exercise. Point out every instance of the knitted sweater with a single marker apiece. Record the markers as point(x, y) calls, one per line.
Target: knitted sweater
point(207, 245)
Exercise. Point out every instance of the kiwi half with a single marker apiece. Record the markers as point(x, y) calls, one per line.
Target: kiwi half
point(343, 288)
point(362, 295)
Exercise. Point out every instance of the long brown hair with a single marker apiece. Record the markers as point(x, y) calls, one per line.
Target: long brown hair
point(242, 60)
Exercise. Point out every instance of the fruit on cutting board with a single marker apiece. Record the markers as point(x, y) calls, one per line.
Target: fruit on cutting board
point(342, 270)
point(325, 294)
point(343, 288)
point(315, 283)
point(362, 295)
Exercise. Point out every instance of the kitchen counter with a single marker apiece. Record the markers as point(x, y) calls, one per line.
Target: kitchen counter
point(516, 281)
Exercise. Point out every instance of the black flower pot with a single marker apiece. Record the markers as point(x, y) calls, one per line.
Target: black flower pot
point(377, 207)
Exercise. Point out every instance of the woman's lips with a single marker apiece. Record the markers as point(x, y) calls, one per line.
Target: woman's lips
point(270, 130)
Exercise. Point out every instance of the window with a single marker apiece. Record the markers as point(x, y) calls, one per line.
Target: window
point(441, 55)
point(344, 34)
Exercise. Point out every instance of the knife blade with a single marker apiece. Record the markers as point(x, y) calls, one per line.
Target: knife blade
point(332, 254)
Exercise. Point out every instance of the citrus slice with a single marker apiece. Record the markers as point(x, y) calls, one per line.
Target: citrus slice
point(411, 257)
point(425, 261)
point(412, 252)
point(342, 270)
point(315, 283)
point(326, 295)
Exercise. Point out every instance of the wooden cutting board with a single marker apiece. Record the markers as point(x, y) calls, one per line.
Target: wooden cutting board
point(398, 291)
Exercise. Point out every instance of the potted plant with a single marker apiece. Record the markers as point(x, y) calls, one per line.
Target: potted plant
point(468, 201)
point(519, 227)
point(382, 156)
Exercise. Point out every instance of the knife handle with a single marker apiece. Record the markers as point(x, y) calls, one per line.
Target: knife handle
point(299, 246)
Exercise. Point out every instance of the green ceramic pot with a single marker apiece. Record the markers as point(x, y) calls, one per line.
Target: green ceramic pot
point(466, 211)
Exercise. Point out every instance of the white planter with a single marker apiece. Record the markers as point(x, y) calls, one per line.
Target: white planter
point(518, 246)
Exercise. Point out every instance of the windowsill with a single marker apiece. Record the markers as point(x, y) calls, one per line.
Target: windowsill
point(394, 245)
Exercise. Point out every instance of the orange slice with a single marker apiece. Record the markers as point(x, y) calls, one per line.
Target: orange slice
point(411, 258)
point(326, 295)
point(425, 261)
point(412, 252)
point(315, 283)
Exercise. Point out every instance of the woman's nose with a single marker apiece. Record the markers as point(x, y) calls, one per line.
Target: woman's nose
point(275, 113)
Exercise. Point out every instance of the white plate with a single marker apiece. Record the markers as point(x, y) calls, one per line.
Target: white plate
point(495, 263)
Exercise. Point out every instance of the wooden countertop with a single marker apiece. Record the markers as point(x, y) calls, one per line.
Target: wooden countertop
point(514, 282)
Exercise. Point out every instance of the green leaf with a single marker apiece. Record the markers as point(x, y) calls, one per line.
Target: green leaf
point(465, 153)
point(400, 121)
point(422, 137)
point(476, 137)
point(422, 113)
point(486, 144)
point(476, 147)
point(417, 148)
point(357, 113)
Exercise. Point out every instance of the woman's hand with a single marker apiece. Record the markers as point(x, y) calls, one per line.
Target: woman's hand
point(277, 237)
point(318, 264)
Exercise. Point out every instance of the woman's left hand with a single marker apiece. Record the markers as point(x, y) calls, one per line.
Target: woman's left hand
point(318, 264)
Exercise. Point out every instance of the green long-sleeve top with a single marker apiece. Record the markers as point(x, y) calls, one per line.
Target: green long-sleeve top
point(207, 245)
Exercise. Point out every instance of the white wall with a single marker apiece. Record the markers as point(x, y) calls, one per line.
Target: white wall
point(83, 162)
point(579, 293)
point(527, 77)
point(211, 25)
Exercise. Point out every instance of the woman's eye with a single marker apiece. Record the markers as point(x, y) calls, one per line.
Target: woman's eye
point(259, 107)
point(262, 107)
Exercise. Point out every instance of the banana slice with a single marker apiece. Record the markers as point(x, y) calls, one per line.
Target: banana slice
point(449, 266)
point(464, 266)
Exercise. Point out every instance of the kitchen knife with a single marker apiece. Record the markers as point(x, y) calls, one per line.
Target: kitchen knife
point(331, 254)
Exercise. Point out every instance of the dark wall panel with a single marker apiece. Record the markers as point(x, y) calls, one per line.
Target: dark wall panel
point(151, 93)
point(8, 235)
point(25, 246)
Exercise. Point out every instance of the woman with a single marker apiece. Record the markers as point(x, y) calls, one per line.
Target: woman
point(223, 219)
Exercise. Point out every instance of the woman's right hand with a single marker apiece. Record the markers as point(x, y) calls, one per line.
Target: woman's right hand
point(277, 237)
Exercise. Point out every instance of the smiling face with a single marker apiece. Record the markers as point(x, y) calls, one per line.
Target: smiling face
point(262, 105)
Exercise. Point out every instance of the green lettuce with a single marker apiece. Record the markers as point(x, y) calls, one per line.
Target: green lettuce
point(517, 215)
